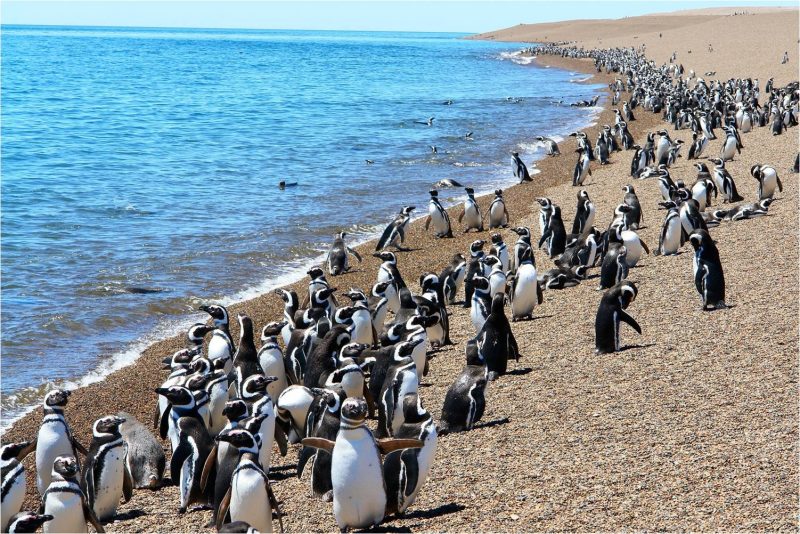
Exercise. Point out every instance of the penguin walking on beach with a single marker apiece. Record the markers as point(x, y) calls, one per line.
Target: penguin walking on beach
point(550, 146)
point(382, 294)
point(14, 481)
point(555, 236)
point(709, 279)
point(500, 250)
point(523, 242)
point(698, 146)
point(55, 438)
point(496, 341)
point(731, 144)
point(611, 313)
point(220, 346)
point(519, 168)
point(582, 169)
point(106, 478)
point(545, 211)
point(584, 213)
point(465, 400)
point(395, 233)
point(144, 457)
point(768, 180)
point(498, 214)
point(671, 238)
point(438, 218)
point(471, 213)
point(65, 501)
point(338, 256)
point(525, 290)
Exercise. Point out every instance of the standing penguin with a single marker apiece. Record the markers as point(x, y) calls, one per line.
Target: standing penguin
point(55, 438)
point(581, 168)
point(633, 218)
point(359, 490)
point(670, 239)
point(731, 145)
point(519, 168)
point(144, 456)
point(481, 301)
point(498, 214)
point(724, 182)
point(767, 180)
point(615, 266)
point(291, 303)
point(471, 213)
point(500, 249)
point(337, 260)
point(438, 217)
point(550, 146)
point(245, 362)
point(270, 359)
point(14, 482)
point(401, 380)
point(556, 235)
point(523, 242)
point(525, 290)
point(106, 477)
point(609, 315)
point(709, 280)
point(584, 213)
point(395, 233)
point(474, 267)
point(545, 211)
point(65, 501)
point(465, 400)
point(220, 346)
point(496, 341)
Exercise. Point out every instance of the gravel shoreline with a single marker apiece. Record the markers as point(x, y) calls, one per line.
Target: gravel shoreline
point(693, 426)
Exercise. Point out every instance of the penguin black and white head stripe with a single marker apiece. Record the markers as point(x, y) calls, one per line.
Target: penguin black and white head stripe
point(218, 313)
point(26, 522)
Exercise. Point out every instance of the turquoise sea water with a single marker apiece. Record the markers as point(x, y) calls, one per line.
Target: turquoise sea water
point(139, 168)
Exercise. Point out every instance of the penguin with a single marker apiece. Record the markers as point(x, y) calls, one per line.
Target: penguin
point(698, 146)
point(384, 359)
point(519, 168)
point(301, 344)
point(471, 213)
point(702, 190)
point(270, 358)
point(55, 438)
point(601, 150)
point(625, 135)
point(245, 361)
point(480, 303)
point(639, 161)
point(545, 211)
point(432, 303)
point(730, 145)
point(609, 315)
point(388, 271)
point(634, 216)
point(768, 180)
point(106, 478)
point(320, 293)
point(556, 235)
point(670, 240)
point(405, 471)
point(195, 336)
point(581, 168)
point(497, 276)
point(65, 501)
point(709, 279)
point(144, 458)
point(474, 267)
point(691, 218)
point(249, 497)
point(562, 277)
point(395, 233)
point(465, 400)
point(25, 522)
point(337, 260)
point(360, 318)
point(525, 291)
point(323, 360)
point(14, 482)
point(216, 387)
point(438, 217)
point(382, 294)
point(500, 250)
point(452, 277)
point(291, 303)
point(523, 242)
point(178, 364)
point(662, 147)
point(724, 182)
point(498, 214)
point(634, 246)
point(323, 421)
point(615, 266)
point(401, 380)
point(220, 346)
point(584, 213)
point(496, 341)
point(550, 146)
point(260, 404)
point(742, 211)
point(359, 491)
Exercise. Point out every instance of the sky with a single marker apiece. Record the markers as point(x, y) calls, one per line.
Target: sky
point(378, 15)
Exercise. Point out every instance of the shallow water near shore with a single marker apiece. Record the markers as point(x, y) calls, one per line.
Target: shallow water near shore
point(140, 169)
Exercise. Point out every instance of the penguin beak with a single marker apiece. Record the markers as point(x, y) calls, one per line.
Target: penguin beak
point(164, 392)
point(270, 379)
point(26, 450)
point(203, 308)
point(376, 255)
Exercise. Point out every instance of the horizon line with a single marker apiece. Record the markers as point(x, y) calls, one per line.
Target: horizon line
point(234, 28)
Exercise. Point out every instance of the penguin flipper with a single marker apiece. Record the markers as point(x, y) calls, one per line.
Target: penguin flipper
point(319, 443)
point(163, 426)
point(280, 439)
point(461, 215)
point(78, 447)
point(644, 246)
point(208, 467)
point(179, 456)
point(370, 401)
point(387, 445)
point(90, 516)
point(427, 221)
point(780, 185)
point(222, 511)
point(88, 484)
point(409, 459)
point(276, 507)
point(384, 238)
point(539, 295)
point(127, 484)
point(544, 237)
point(354, 253)
point(630, 320)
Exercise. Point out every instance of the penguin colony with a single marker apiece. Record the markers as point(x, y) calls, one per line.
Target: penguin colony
point(329, 366)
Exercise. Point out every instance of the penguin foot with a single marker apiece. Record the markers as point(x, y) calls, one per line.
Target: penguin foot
point(328, 497)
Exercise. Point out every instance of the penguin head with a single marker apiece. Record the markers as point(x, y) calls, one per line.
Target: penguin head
point(315, 273)
point(272, 329)
point(379, 289)
point(490, 260)
point(218, 313)
point(474, 356)
point(477, 245)
point(241, 439)
point(354, 411)
point(498, 193)
point(522, 231)
point(56, 398)
point(480, 282)
point(340, 235)
point(288, 296)
point(497, 239)
point(428, 281)
point(423, 321)
point(544, 202)
point(581, 270)
point(197, 332)
point(355, 295)
point(196, 383)
point(404, 349)
point(386, 256)
point(717, 161)
point(107, 425)
point(177, 395)
point(201, 366)
point(407, 210)
point(235, 410)
point(65, 466)
point(256, 384)
point(27, 522)
point(755, 171)
point(413, 412)
point(470, 191)
point(628, 189)
point(628, 292)
point(700, 238)
point(352, 350)
point(179, 359)
point(17, 451)
point(434, 193)
point(701, 167)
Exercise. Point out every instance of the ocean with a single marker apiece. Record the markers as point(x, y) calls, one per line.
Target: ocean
point(140, 169)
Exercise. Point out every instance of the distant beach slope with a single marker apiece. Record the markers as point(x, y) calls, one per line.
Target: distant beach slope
point(745, 41)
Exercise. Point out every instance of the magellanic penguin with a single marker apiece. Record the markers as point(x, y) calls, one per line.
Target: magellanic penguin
point(144, 456)
point(65, 501)
point(291, 303)
point(481, 301)
point(438, 217)
point(615, 266)
point(584, 213)
point(471, 213)
point(474, 267)
point(465, 400)
point(14, 482)
point(498, 214)
point(395, 233)
point(497, 276)
point(401, 380)
point(338, 256)
point(582, 169)
point(671, 237)
point(768, 180)
point(709, 280)
point(24, 522)
point(405, 471)
point(358, 316)
point(500, 249)
point(106, 477)
point(550, 146)
point(245, 361)
point(731, 144)
point(523, 242)
point(55, 438)
point(270, 358)
point(634, 217)
point(724, 182)
point(359, 490)
point(525, 290)
point(452, 277)
point(609, 315)
point(260, 403)
point(496, 341)
point(555, 236)
point(519, 168)
point(220, 346)
point(382, 294)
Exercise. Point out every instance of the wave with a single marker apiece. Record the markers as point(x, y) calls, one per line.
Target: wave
point(517, 57)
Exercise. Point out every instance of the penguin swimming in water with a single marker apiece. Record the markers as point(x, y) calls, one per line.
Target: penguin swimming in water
point(471, 213)
point(609, 315)
point(709, 279)
point(65, 501)
point(55, 438)
point(14, 481)
point(498, 214)
point(395, 233)
point(105, 475)
point(496, 341)
point(144, 458)
point(438, 217)
point(465, 400)
point(359, 490)
point(768, 180)
point(337, 260)
point(519, 168)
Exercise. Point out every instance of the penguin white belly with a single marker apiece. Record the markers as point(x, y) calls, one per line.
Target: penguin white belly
point(362, 331)
point(267, 432)
point(478, 313)
point(286, 333)
point(250, 501)
point(504, 260)
point(218, 396)
point(472, 217)
point(437, 220)
point(525, 293)
point(729, 149)
point(497, 283)
point(218, 347)
point(383, 274)
point(672, 237)
point(768, 185)
point(108, 488)
point(408, 385)
point(295, 401)
point(67, 511)
point(435, 334)
point(424, 463)
point(700, 195)
point(379, 319)
point(634, 246)
point(359, 494)
point(51, 443)
point(271, 362)
point(12, 501)
point(497, 215)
